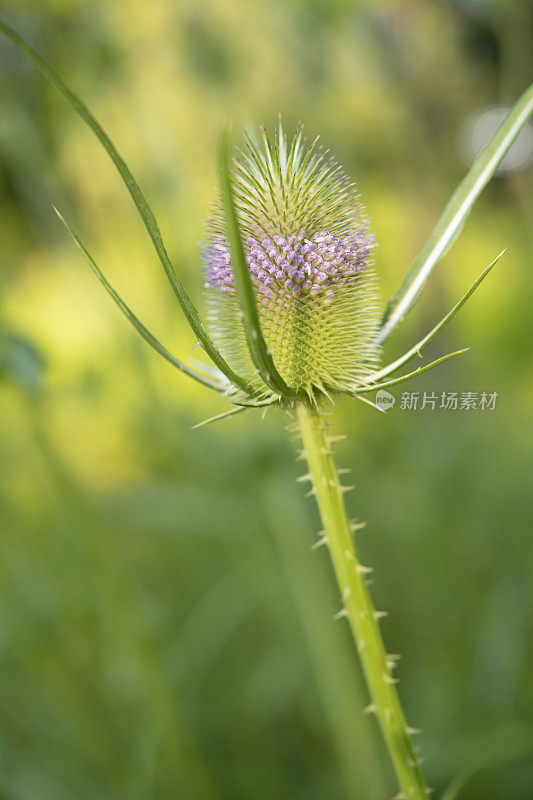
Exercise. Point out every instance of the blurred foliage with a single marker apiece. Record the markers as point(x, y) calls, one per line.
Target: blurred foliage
point(165, 630)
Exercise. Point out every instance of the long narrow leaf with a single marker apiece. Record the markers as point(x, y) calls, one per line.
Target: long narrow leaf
point(454, 215)
point(369, 403)
point(143, 208)
point(218, 417)
point(137, 324)
point(245, 292)
point(254, 403)
point(410, 375)
point(434, 331)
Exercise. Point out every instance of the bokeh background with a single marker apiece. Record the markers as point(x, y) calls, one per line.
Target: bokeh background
point(165, 630)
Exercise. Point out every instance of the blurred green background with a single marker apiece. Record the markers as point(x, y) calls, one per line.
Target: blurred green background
point(165, 630)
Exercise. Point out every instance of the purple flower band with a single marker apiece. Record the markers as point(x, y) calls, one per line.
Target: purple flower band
point(287, 268)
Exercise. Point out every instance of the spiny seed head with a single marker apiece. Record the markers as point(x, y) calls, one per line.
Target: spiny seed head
point(308, 247)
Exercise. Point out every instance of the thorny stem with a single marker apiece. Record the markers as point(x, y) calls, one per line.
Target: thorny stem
point(357, 603)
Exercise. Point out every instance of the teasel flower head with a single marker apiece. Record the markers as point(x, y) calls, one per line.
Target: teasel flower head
point(308, 249)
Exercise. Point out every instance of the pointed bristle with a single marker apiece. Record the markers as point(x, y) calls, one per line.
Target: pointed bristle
point(307, 244)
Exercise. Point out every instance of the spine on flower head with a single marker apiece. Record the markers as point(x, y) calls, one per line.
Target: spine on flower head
point(308, 247)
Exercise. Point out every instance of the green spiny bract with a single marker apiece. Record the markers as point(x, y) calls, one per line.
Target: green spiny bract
point(307, 244)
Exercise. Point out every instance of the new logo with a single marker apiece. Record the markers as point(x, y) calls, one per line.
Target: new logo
point(385, 400)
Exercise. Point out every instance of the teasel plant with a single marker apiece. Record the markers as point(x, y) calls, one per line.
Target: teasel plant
point(294, 320)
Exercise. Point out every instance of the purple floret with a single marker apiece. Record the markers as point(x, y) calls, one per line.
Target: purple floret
point(293, 267)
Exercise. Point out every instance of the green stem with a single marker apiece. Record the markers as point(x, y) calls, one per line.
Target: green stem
point(358, 607)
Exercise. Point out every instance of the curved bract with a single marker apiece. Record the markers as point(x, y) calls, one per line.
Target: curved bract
point(145, 212)
point(452, 219)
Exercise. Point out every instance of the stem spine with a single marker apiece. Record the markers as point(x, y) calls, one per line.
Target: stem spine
point(360, 612)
